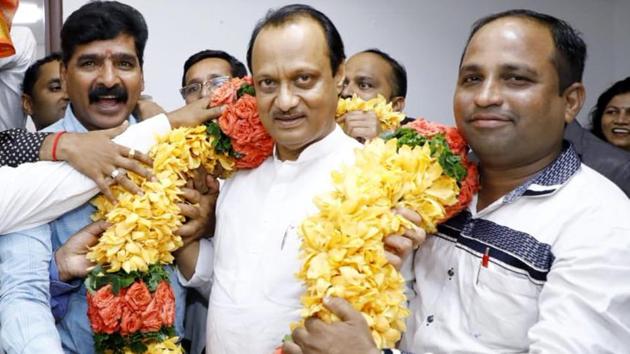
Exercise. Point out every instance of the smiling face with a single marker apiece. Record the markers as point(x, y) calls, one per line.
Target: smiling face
point(616, 121)
point(104, 81)
point(506, 100)
point(48, 102)
point(296, 90)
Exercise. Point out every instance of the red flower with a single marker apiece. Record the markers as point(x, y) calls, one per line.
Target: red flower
point(240, 121)
point(165, 298)
point(151, 321)
point(138, 296)
point(95, 319)
point(131, 321)
point(104, 310)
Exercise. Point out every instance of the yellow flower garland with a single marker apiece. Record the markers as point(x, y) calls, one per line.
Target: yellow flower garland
point(342, 245)
point(143, 225)
point(389, 119)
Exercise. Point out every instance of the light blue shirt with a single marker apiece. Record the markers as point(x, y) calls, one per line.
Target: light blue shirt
point(74, 327)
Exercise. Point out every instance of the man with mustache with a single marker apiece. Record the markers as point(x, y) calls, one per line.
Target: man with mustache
point(296, 59)
point(103, 45)
point(538, 263)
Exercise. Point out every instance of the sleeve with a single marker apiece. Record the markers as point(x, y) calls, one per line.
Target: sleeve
point(18, 146)
point(202, 278)
point(583, 307)
point(42, 191)
point(12, 71)
point(60, 291)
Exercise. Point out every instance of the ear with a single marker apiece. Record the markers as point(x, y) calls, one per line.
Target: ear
point(340, 75)
point(574, 100)
point(27, 104)
point(398, 103)
point(63, 72)
point(141, 80)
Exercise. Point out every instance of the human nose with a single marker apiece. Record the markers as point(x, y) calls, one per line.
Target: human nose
point(624, 116)
point(489, 94)
point(206, 89)
point(108, 75)
point(286, 99)
point(347, 91)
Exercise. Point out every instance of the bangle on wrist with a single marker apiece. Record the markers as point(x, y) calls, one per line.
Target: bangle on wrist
point(55, 143)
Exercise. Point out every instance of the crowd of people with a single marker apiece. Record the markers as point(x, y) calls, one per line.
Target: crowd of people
point(535, 263)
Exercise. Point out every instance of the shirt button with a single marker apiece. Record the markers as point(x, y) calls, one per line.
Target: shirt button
point(451, 272)
point(430, 319)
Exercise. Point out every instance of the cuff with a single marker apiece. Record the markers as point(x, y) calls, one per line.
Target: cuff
point(142, 136)
point(57, 286)
point(201, 280)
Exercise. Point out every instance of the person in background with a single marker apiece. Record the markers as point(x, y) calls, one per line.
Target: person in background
point(371, 73)
point(208, 69)
point(43, 98)
point(611, 115)
point(12, 68)
point(203, 72)
point(606, 148)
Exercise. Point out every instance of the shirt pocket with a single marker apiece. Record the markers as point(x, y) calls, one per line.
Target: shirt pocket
point(504, 305)
point(282, 263)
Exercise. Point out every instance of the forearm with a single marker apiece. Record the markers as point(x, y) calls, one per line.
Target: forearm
point(201, 276)
point(186, 259)
point(18, 146)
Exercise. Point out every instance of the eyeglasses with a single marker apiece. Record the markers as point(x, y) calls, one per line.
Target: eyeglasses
point(196, 88)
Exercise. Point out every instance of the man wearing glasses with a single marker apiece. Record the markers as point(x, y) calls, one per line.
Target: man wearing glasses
point(203, 72)
point(207, 70)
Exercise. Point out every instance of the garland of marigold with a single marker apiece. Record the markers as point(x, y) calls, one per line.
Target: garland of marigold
point(130, 303)
point(388, 118)
point(342, 245)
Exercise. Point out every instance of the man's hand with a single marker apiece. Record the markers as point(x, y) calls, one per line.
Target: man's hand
point(349, 336)
point(96, 156)
point(200, 213)
point(398, 247)
point(194, 114)
point(361, 125)
point(201, 196)
point(70, 257)
point(147, 108)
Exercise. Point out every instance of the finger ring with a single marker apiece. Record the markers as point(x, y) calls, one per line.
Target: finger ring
point(131, 153)
point(115, 173)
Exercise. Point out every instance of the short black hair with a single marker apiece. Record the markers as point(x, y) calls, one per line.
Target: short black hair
point(103, 20)
point(32, 73)
point(399, 74)
point(238, 69)
point(570, 47)
point(618, 88)
point(292, 12)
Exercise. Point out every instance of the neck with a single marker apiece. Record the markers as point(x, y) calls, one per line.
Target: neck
point(497, 181)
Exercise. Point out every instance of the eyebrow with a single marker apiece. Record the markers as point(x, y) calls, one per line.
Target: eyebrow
point(116, 56)
point(505, 67)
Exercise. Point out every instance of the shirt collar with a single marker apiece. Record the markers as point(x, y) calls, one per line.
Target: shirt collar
point(72, 124)
point(551, 178)
point(317, 149)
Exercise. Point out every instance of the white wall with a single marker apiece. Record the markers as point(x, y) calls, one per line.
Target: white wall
point(426, 36)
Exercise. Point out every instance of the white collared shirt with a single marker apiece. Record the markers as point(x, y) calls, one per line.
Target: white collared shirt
point(557, 276)
point(255, 294)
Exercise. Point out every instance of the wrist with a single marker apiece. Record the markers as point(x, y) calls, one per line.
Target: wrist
point(64, 275)
point(63, 149)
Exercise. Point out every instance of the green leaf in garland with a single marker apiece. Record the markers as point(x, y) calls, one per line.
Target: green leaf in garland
point(246, 89)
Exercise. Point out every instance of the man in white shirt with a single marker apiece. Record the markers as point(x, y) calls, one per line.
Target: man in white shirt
point(539, 261)
point(296, 58)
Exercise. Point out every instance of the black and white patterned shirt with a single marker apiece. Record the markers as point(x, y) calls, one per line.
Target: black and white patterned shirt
point(18, 146)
